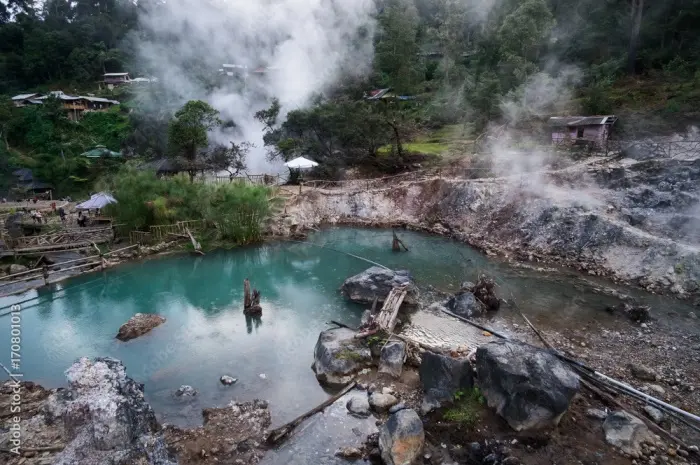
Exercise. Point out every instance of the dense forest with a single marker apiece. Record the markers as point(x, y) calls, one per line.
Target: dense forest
point(460, 61)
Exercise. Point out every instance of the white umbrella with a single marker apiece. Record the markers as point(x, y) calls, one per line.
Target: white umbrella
point(96, 202)
point(301, 163)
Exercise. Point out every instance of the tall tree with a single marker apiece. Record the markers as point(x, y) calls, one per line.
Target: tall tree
point(188, 134)
point(636, 14)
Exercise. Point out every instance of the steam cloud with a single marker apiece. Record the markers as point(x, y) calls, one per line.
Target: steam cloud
point(310, 44)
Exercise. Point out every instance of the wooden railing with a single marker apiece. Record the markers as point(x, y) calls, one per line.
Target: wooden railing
point(164, 232)
point(63, 238)
point(252, 179)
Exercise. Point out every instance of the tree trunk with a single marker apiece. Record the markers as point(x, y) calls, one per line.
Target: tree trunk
point(636, 15)
point(247, 300)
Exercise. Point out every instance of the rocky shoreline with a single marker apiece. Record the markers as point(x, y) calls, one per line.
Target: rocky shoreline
point(504, 403)
point(604, 217)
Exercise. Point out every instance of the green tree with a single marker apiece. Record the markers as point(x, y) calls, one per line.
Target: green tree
point(397, 49)
point(188, 134)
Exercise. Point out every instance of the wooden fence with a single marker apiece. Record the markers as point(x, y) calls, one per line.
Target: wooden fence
point(163, 232)
point(375, 183)
point(47, 271)
point(250, 179)
point(69, 238)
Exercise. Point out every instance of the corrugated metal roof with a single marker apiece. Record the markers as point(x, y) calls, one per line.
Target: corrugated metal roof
point(562, 121)
point(23, 96)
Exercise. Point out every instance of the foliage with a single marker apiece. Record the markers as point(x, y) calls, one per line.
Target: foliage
point(187, 134)
point(467, 407)
point(235, 211)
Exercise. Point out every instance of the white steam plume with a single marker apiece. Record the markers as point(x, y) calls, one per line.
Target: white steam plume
point(310, 43)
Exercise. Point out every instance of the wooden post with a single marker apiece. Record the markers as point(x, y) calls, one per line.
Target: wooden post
point(246, 294)
point(45, 273)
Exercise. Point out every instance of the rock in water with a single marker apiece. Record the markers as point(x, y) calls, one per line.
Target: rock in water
point(338, 355)
point(227, 380)
point(106, 418)
point(626, 432)
point(382, 402)
point(441, 377)
point(358, 405)
point(378, 282)
point(528, 387)
point(186, 391)
point(401, 438)
point(138, 325)
point(392, 358)
point(466, 305)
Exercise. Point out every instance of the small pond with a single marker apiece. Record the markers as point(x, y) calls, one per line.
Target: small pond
point(206, 334)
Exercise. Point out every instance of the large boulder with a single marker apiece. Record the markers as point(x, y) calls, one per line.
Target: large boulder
point(378, 282)
point(465, 304)
point(401, 438)
point(441, 377)
point(392, 358)
point(338, 356)
point(105, 417)
point(138, 325)
point(626, 432)
point(530, 388)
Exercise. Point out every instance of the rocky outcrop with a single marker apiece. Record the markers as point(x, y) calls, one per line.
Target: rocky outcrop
point(392, 358)
point(377, 282)
point(466, 305)
point(138, 325)
point(401, 438)
point(626, 432)
point(338, 355)
point(105, 417)
point(579, 216)
point(528, 387)
point(441, 377)
point(186, 391)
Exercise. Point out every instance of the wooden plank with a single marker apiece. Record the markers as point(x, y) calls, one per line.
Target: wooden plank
point(387, 315)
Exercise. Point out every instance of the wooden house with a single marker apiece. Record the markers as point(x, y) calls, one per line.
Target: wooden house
point(582, 130)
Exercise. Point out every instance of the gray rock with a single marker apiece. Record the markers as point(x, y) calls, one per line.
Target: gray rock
point(15, 268)
point(528, 387)
point(401, 438)
point(338, 356)
point(596, 413)
point(349, 453)
point(467, 286)
point(655, 414)
point(626, 432)
point(465, 304)
point(227, 380)
point(397, 407)
point(392, 358)
point(642, 372)
point(358, 405)
point(378, 282)
point(657, 389)
point(186, 391)
point(106, 419)
point(382, 402)
point(441, 377)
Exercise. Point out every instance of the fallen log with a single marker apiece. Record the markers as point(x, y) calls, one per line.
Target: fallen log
point(342, 325)
point(278, 434)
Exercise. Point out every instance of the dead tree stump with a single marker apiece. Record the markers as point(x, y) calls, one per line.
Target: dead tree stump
point(396, 243)
point(251, 304)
